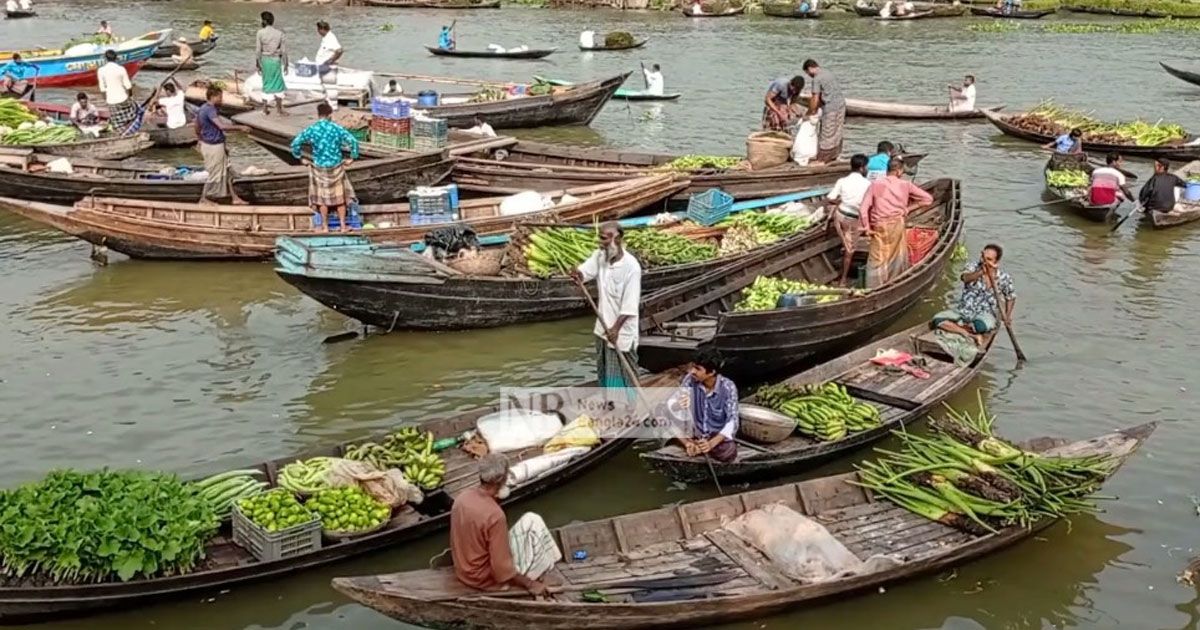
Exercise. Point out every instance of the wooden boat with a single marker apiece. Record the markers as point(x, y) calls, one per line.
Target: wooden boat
point(1012, 15)
point(531, 53)
point(227, 565)
point(1184, 211)
point(1184, 150)
point(697, 314)
point(434, 4)
point(1149, 13)
point(901, 398)
point(160, 135)
point(165, 230)
point(1182, 75)
point(19, 14)
point(199, 48)
point(916, 15)
point(624, 94)
point(726, 13)
point(233, 103)
point(57, 69)
point(880, 109)
point(168, 65)
point(678, 567)
point(636, 44)
point(375, 181)
point(103, 148)
point(927, 11)
point(381, 285)
point(1077, 198)
point(789, 10)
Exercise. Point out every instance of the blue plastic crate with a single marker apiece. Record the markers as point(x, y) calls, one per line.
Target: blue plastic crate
point(353, 218)
point(390, 109)
point(430, 219)
point(709, 207)
point(436, 201)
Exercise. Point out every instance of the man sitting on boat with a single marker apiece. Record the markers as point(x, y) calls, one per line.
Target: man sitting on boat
point(481, 128)
point(446, 39)
point(618, 278)
point(975, 314)
point(14, 77)
point(1108, 183)
point(171, 101)
point(489, 556)
point(1070, 143)
point(846, 198)
point(782, 96)
point(877, 165)
point(207, 31)
point(710, 401)
point(697, 8)
point(654, 80)
point(185, 54)
point(85, 116)
point(587, 39)
point(105, 31)
point(884, 208)
point(962, 98)
point(330, 50)
point(328, 187)
point(1160, 193)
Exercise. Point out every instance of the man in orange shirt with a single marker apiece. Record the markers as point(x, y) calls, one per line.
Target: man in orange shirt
point(481, 544)
point(882, 214)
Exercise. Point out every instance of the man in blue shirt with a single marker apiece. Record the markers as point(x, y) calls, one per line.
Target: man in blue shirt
point(778, 108)
point(712, 400)
point(877, 165)
point(1068, 143)
point(13, 77)
point(328, 185)
point(211, 134)
point(445, 39)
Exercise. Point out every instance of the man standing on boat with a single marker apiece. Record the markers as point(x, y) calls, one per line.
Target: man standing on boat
point(489, 556)
point(962, 98)
point(882, 214)
point(270, 57)
point(711, 402)
point(115, 84)
point(618, 278)
point(782, 94)
point(827, 97)
point(975, 315)
point(330, 51)
point(1159, 194)
point(846, 201)
point(211, 135)
point(328, 185)
point(654, 80)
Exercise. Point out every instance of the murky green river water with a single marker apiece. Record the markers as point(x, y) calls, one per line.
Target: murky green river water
point(202, 367)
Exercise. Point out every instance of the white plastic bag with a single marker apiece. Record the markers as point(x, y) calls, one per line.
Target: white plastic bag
point(804, 147)
point(524, 203)
point(535, 467)
point(61, 165)
point(797, 545)
point(513, 430)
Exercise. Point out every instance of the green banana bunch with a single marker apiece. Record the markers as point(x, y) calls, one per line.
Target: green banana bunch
point(823, 411)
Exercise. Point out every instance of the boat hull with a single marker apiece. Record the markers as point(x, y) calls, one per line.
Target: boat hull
point(80, 70)
point(1174, 152)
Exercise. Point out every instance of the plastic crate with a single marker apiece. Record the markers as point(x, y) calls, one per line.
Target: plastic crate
point(391, 140)
point(393, 109)
point(267, 546)
point(353, 218)
point(428, 144)
point(431, 219)
point(430, 128)
point(397, 126)
point(430, 201)
point(360, 134)
point(709, 207)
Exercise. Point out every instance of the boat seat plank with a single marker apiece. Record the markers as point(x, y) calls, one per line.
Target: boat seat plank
point(788, 495)
point(752, 561)
point(709, 515)
point(929, 535)
point(853, 515)
point(684, 562)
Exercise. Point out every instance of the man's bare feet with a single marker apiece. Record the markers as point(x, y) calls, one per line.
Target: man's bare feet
point(207, 203)
point(324, 229)
point(238, 201)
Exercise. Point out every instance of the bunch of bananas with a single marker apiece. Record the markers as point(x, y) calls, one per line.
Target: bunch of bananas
point(422, 466)
point(378, 455)
point(426, 470)
point(306, 476)
point(826, 411)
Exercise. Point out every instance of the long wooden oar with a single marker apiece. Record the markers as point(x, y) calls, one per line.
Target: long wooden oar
point(1136, 209)
point(1002, 306)
point(1044, 203)
point(631, 374)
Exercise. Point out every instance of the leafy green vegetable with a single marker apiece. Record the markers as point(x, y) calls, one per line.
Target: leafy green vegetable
point(96, 526)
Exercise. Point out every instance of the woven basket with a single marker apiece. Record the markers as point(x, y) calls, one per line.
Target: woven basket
point(764, 425)
point(485, 262)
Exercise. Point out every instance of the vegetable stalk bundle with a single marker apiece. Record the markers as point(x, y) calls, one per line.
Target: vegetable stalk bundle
point(1050, 120)
point(701, 162)
point(552, 250)
point(967, 477)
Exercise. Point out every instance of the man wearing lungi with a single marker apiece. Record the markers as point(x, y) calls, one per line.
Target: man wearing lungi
point(328, 186)
point(270, 57)
point(618, 278)
point(883, 210)
point(114, 83)
point(219, 184)
point(826, 96)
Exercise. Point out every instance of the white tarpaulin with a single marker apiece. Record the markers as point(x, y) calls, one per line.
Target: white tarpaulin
point(535, 467)
point(513, 430)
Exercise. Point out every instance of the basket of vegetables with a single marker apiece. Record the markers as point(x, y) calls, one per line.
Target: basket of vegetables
point(274, 525)
point(348, 512)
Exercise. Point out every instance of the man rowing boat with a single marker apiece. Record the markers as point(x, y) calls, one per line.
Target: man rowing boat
point(446, 39)
point(1108, 183)
point(962, 98)
point(1160, 193)
point(618, 278)
point(975, 314)
point(883, 211)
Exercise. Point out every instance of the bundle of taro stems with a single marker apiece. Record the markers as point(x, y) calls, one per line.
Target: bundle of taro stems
point(964, 476)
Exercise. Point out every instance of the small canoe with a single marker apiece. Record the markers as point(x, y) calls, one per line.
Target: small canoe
point(160, 135)
point(165, 230)
point(726, 13)
point(679, 567)
point(916, 15)
point(789, 11)
point(1187, 149)
point(698, 315)
point(227, 565)
point(623, 94)
point(430, 4)
point(636, 44)
point(926, 11)
point(1184, 211)
point(901, 398)
point(1076, 198)
point(168, 65)
point(532, 53)
point(1012, 15)
point(199, 48)
point(19, 14)
point(880, 109)
point(382, 286)
point(1182, 75)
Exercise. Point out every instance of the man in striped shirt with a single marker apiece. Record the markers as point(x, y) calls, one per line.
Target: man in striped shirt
point(1108, 183)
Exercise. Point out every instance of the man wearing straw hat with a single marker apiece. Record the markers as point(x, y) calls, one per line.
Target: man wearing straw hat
point(328, 185)
point(618, 278)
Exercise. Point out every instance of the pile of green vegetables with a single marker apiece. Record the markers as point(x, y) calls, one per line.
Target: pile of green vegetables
point(1067, 179)
point(1051, 120)
point(13, 113)
point(540, 87)
point(37, 134)
point(764, 294)
point(489, 94)
point(619, 39)
point(221, 491)
point(409, 449)
point(701, 162)
point(348, 510)
point(83, 527)
point(550, 250)
point(305, 476)
point(825, 412)
point(773, 223)
point(275, 511)
point(965, 476)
